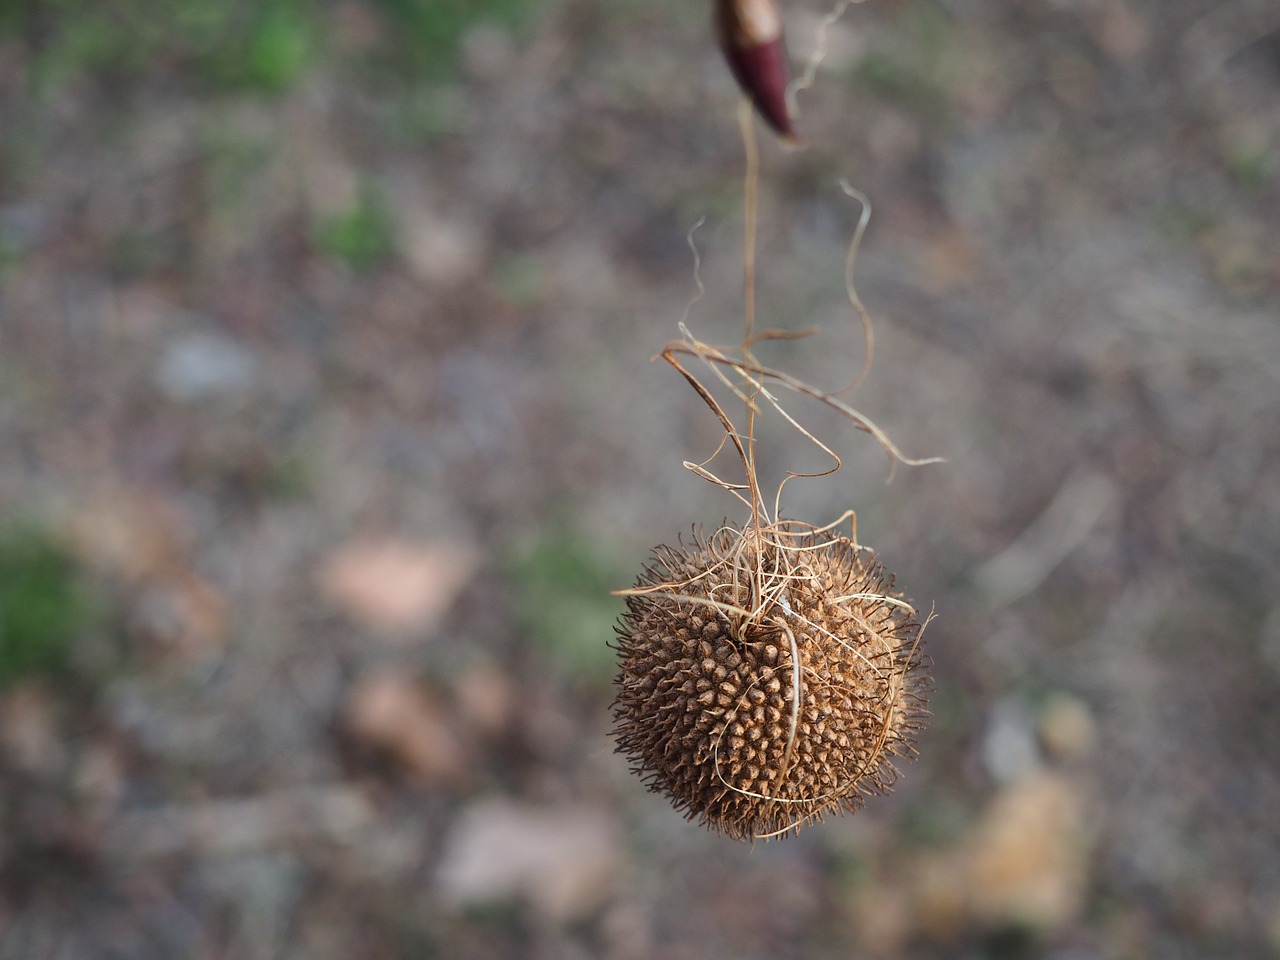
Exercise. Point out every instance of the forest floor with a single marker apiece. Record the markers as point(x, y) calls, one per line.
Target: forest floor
point(327, 426)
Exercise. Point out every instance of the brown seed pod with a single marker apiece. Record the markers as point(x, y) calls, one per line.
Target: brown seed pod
point(767, 678)
point(750, 34)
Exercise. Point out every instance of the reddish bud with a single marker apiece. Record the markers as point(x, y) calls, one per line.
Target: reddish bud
point(750, 33)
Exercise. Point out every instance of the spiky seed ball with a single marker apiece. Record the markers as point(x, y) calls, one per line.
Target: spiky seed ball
point(767, 678)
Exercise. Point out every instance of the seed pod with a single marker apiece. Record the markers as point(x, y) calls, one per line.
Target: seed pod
point(750, 34)
point(767, 679)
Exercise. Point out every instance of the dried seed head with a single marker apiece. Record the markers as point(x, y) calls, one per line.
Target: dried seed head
point(767, 678)
point(750, 35)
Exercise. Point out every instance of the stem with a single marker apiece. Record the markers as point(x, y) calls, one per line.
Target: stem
point(750, 217)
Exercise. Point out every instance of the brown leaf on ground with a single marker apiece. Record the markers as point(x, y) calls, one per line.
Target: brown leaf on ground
point(882, 915)
point(392, 714)
point(947, 262)
point(1029, 856)
point(131, 534)
point(564, 861)
point(1025, 862)
point(1068, 731)
point(439, 249)
point(29, 737)
point(100, 775)
point(486, 697)
point(395, 586)
point(185, 614)
point(142, 538)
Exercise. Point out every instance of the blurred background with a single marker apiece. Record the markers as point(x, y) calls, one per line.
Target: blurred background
point(327, 425)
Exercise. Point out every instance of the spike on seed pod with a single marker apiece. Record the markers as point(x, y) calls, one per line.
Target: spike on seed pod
point(750, 35)
point(824, 680)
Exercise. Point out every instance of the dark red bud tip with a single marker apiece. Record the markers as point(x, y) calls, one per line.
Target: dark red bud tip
point(750, 33)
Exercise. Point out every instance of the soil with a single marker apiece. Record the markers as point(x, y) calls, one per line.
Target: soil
point(337, 394)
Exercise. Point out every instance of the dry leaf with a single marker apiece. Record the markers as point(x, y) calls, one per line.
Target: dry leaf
point(1024, 863)
point(185, 614)
point(882, 915)
point(131, 534)
point(947, 262)
point(1029, 855)
point(486, 698)
point(438, 249)
point(395, 586)
point(393, 714)
point(141, 537)
point(100, 777)
point(564, 861)
point(1067, 728)
point(29, 734)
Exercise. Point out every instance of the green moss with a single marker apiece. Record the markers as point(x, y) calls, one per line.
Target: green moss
point(1253, 165)
point(138, 252)
point(426, 35)
point(278, 50)
point(288, 477)
point(563, 599)
point(520, 279)
point(263, 45)
point(12, 252)
point(931, 822)
point(43, 607)
point(260, 46)
point(1182, 223)
point(915, 64)
point(363, 237)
